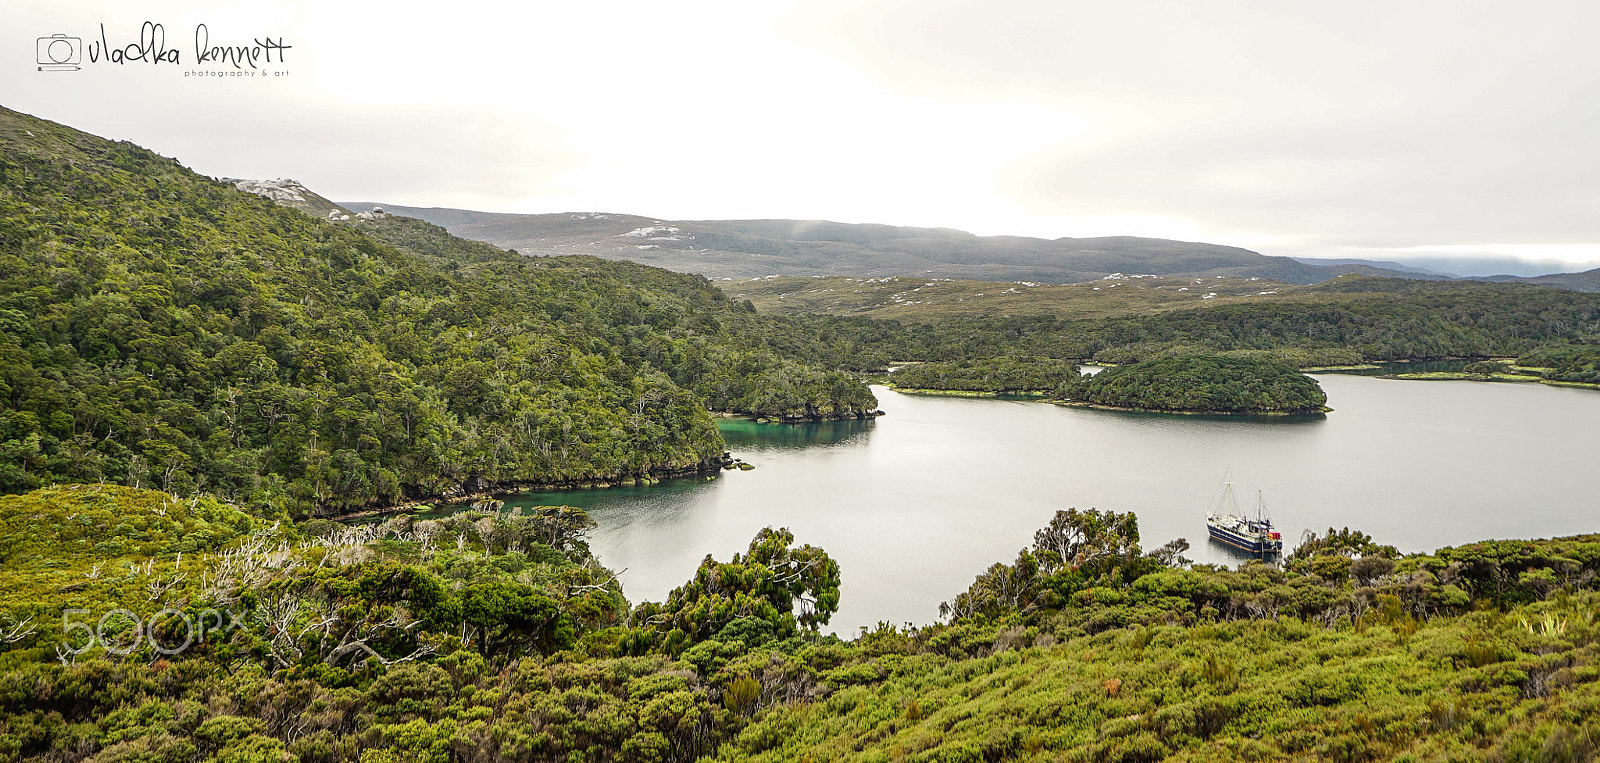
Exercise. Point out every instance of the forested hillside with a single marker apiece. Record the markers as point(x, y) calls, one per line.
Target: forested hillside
point(676, 323)
point(1344, 320)
point(161, 329)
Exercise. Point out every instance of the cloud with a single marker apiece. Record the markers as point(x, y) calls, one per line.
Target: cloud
point(1352, 129)
point(1356, 124)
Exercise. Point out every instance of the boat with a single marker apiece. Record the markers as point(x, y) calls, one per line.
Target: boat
point(1254, 535)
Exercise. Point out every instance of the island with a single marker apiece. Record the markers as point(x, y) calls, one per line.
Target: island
point(1201, 384)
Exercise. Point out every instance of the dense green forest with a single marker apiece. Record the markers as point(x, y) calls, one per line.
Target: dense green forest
point(161, 329)
point(1346, 320)
point(197, 631)
point(997, 375)
point(1202, 383)
point(733, 359)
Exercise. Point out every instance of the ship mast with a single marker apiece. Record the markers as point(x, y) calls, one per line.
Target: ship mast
point(1228, 505)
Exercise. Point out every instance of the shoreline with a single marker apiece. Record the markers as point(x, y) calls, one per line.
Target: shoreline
point(1500, 378)
point(1462, 376)
point(1097, 406)
point(1328, 369)
point(963, 392)
point(1579, 385)
point(864, 416)
point(709, 470)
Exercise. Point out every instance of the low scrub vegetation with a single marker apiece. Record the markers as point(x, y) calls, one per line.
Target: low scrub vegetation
point(492, 636)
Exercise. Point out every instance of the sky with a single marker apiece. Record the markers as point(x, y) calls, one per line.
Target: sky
point(1458, 135)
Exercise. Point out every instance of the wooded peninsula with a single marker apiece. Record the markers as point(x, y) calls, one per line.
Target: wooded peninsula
point(1202, 384)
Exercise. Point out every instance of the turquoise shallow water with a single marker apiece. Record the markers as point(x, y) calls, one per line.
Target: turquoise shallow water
point(915, 504)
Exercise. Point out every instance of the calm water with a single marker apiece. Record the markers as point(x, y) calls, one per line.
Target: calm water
point(916, 504)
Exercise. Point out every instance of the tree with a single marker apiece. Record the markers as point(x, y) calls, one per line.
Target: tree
point(1347, 543)
point(1171, 555)
point(168, 459)
point(1001, 589)
point(1369, 568)
point(1089, 540)
point(1077, 550)
point(772, 581)
point(510, 616)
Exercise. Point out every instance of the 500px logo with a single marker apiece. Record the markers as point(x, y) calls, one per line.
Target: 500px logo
point(62, 52)
point(121, 632)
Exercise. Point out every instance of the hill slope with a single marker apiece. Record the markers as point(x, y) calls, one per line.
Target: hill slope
point(1588, 280)
point(159, 328)
point(744, 249)
point(927, 299)
point(390, 642)
point(722, 249)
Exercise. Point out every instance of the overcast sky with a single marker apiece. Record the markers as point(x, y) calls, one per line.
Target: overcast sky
point(1335, 129)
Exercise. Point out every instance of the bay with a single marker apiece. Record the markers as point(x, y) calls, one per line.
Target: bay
point(915, 504)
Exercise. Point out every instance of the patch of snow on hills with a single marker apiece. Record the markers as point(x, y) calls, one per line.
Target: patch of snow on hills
point(659, 233)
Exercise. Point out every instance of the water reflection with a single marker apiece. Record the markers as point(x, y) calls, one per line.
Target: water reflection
point(655, 498)
point(1217, 552)
point(1413, 367)
point(1227, 419)
point(743, 433)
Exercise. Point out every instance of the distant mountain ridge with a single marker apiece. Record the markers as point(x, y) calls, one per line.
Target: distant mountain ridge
point(741, 249)
point(1385, 264)
point(1588, 280)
